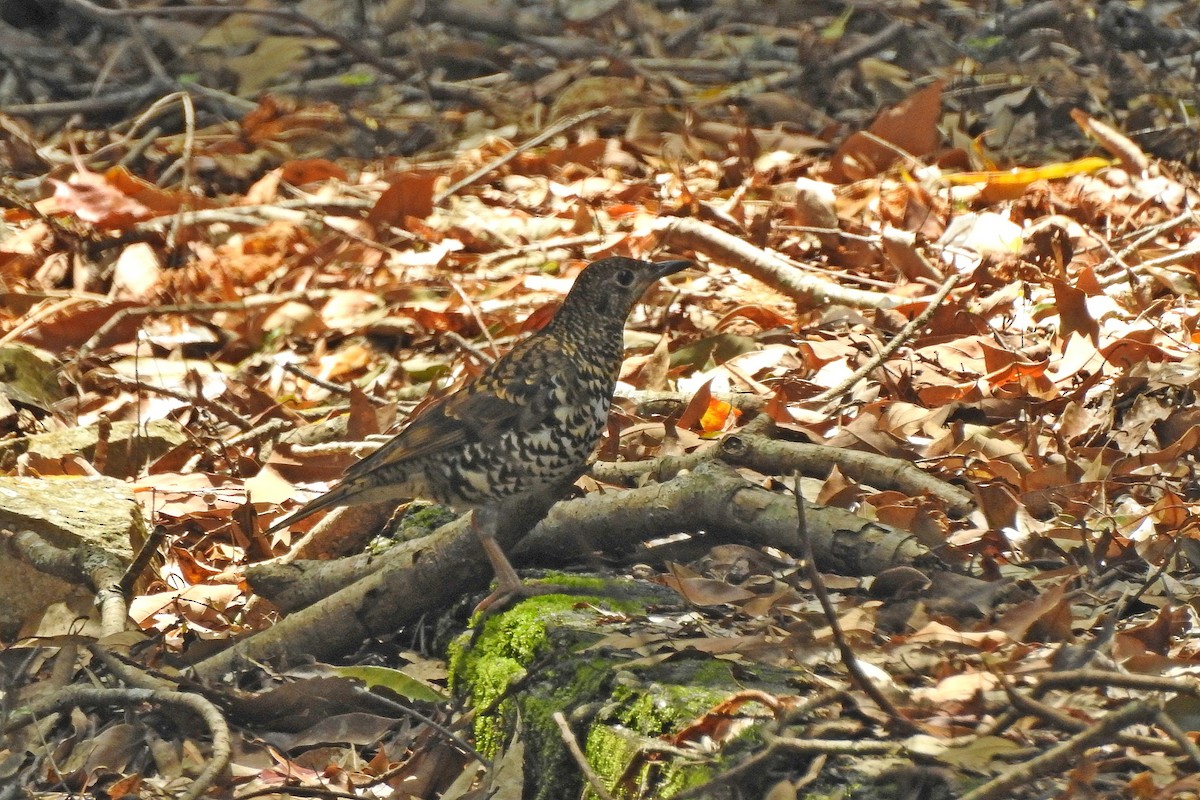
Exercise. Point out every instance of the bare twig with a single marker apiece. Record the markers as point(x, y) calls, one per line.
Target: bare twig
point(123, 98)
point(779, 744)
point(424, 719)
point(316, 380)
point(247, 304)
point(143, 45)
point(1180, 737)
point(773, 269)
point(1071, 679)
point(82, 695)
point(1174, 257)
point(568, 737)
point(390, 67)
point(1027, 706)
point(902, 336)
point(197, 399)
point(142, 558)
point(1076, 678)
point(853, 667)
point(540, 246)
point(873, 44)
point(1062, 755)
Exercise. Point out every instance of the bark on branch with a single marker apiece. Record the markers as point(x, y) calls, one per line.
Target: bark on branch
point(771, 268)
point(713, 499)
point(380, 602)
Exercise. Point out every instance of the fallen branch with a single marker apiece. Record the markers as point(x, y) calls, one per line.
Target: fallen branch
point(385, 599)
point(770, 456)
point(774, 270)
point(96, 568)
point(713, 498)
point(774, 457)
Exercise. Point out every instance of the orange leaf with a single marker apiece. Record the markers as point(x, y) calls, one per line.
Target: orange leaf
point(1011, 184)
point(716, 416)
point(311, 170)
point(1004, 366)
point(409, 194)
point(910, 128)
point(1073, 313)
point(158, 200)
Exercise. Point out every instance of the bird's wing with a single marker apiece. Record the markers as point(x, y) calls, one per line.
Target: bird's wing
point(513, 393)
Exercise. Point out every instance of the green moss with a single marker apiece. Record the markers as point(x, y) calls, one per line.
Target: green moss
point(486, 664)
point(624, 596)
point(570, 580)
point(568, 685)
point(618, 704)
point(428, 515)
point(417, 521)
point(672, 694)
point(609, 750)
point(653, 701)
point(617, 754)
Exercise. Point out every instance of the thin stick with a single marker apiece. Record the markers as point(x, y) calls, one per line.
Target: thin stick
point(573, 746)
point(87, 105)
point(316, 380)
point(450, 735)
point(1064, 754)
point(839, 637)
point(253, 302)
point(1176, 732)
point(395, 69)
point(902, 336)
point(140, 561)
point(185, 158)
point(90, 697)
point(776, 745)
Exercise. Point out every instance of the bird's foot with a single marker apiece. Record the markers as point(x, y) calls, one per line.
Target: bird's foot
point(505, 595)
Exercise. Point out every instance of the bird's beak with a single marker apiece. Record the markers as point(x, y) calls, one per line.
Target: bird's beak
point(665, 268)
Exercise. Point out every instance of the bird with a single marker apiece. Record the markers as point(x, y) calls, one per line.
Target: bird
point(525, 424)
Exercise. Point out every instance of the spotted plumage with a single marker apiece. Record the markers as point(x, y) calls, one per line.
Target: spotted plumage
point(528, 422)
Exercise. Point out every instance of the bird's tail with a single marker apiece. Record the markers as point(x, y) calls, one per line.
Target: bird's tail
point(387, 484)
point(344, 494)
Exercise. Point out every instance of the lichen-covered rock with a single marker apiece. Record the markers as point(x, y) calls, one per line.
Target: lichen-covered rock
point(587, 656)
point(66, 512)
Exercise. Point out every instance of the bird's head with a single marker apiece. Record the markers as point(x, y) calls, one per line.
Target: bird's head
point(610, 287)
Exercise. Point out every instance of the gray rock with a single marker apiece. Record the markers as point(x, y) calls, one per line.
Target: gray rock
point(130, 446)
point(66, 512)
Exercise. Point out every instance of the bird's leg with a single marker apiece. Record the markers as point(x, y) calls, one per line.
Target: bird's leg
point(508, 585)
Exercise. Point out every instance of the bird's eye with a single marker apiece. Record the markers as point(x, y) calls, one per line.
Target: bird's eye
point(625, 277)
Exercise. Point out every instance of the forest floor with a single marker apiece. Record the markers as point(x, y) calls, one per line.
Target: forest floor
point(954, 247)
